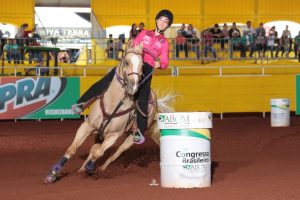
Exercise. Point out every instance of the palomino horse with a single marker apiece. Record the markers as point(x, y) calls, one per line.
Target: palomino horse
point(118, 100)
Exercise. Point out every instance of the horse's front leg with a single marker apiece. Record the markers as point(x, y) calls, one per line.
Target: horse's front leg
point(97, 151)
point(82, 133)
point(128, 142)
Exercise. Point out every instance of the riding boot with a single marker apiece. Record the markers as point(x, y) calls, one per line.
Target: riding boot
point(96, 89)
point(143, 97)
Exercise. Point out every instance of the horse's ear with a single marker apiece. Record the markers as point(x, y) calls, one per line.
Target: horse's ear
point(129, 44)
point(140, 47)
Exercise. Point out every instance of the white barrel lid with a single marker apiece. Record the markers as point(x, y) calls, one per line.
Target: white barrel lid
point(280, 101)
point(184, 120)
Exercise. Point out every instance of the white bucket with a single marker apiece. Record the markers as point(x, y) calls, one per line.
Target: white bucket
point(185, 159)
point(280, 112)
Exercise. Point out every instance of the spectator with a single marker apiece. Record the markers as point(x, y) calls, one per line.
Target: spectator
point(218, 35)
point(180, 44)
point(133, 31)
point(235, 42)
point(234, 29)
point(2, 42)
point(260, 29)
point(183, 31)
point(249, 33)
point(33, 40)
point(110, 47)
point(260, 42)
point(208, 44)
point(195, 44)
point(20, 39)
point(297, 46)
point(12, 51)
point(271, 42)
point(118, 47)
point(286, 40)
point(141, 27)
point(225, 33)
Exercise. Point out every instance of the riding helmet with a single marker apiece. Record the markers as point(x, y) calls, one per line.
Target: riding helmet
point(166, 13)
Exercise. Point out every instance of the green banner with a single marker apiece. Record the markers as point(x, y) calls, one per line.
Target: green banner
point(60, 107)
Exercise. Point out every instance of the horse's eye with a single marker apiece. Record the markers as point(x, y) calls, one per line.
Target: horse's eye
point(126, 62)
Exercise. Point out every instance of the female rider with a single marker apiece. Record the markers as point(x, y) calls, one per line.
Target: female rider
point(155, 46)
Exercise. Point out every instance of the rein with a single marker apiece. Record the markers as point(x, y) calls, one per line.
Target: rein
point(122, 81)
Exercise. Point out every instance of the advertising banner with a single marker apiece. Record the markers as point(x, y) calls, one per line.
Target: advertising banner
point(38, 97)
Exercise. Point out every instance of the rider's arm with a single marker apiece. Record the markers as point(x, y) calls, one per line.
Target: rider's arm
point(164, 60)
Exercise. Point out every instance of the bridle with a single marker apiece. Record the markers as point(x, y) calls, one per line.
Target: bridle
point(121, 69)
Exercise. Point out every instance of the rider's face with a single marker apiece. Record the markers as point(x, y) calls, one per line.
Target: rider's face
point(162, 23)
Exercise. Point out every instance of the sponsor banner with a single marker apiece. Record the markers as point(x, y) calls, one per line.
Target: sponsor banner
point(38, 97)
point(182, 120)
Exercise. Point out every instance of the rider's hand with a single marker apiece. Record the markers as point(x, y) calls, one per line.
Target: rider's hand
point(157, 65)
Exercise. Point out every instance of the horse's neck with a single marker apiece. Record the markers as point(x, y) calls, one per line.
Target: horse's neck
point(115, 92)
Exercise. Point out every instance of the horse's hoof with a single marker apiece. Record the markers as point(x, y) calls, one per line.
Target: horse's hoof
point(81, 171)
point(102, 168)
point(51, 178)
point(90, 168)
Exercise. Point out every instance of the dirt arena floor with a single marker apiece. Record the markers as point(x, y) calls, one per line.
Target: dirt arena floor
point(251, 161)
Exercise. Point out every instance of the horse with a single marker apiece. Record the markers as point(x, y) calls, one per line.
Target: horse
point(118, 100)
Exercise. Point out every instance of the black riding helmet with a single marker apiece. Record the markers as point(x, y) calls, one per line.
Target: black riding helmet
point(165, 13)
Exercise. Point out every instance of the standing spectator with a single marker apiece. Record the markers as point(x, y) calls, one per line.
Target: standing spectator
point(195, 44)
point(225, 33)
point(249, 33)
point(2, 42)
point(180, 44)
point(12, 51)
point(260, 42)
point(234, 29)
point(208, 44)
point(235, 42)
point(286, 39)
point(110, 47)
point(20, 39)
point(271, 42)
point(133, 31)
point(141, 27)
point(33, 40)
point(183, 31)
point(297, 46)
point(218, 35)
point(260, 29)
point(189, 32)
point(118, 47)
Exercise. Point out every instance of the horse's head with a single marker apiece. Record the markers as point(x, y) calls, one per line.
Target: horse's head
point(132, 66)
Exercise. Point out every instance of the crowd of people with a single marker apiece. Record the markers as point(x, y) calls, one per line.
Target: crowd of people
point(247, 41)
point(265, 43)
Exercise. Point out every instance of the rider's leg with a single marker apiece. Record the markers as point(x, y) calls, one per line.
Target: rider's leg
point(143, 97)
point(96, 89)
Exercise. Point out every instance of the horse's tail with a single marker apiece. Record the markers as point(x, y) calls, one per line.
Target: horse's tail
point(164, 105)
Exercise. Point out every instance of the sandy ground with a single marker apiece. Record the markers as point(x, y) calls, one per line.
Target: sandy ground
point(250, 160)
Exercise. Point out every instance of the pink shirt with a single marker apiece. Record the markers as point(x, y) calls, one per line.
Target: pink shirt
point(154, 47)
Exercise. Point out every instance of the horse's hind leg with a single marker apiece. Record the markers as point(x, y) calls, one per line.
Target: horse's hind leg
point(96, 152)
point(82, 133)
point(128, 142)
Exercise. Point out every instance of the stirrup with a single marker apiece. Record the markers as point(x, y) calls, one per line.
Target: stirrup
point(138, 137)
point(77, 108)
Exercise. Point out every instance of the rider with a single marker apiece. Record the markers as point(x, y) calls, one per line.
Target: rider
point(155, 45)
